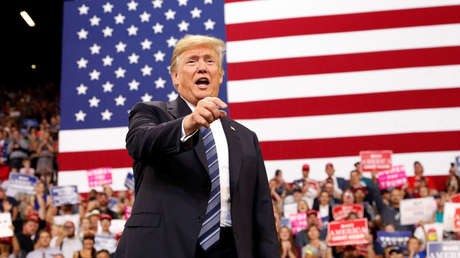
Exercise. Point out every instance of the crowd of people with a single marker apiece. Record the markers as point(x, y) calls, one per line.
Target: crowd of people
point(29, 126)
point(381, 209)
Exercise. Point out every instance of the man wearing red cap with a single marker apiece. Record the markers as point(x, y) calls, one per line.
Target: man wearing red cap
point(308, 186)
point(27, 238)
point(339, 183)
point(105, 239)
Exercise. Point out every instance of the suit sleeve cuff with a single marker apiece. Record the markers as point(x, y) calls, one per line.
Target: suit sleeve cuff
point(184, 137)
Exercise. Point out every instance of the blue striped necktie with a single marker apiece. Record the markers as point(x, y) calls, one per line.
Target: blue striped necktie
point(210, 229)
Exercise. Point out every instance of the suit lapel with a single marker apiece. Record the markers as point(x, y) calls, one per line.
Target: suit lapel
point(234, 152)
point(178, 108)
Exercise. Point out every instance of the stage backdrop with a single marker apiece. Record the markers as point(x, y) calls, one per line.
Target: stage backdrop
point(318, 81)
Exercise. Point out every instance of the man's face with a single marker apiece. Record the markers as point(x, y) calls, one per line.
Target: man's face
point(305, 173)
point(69, 229)
point(29, 228)
point(418, 169)
point(330, 171)
point(197, 74)
point(395, 196)
point(44, 239)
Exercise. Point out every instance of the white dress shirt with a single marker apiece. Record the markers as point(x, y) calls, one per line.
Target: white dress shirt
point(222, 156)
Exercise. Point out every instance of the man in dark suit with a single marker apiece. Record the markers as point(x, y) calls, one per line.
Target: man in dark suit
point(201, 186)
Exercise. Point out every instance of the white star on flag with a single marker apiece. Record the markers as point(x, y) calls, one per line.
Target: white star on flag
point(82, 89)
point(146, 44)
point(120, 100)
point(182, 2)
point(82, 34)
point(107, 32)
point(132, 30)
point(196, 13)
point(160, 83)
point(94, 75)
point(107, 86)
point(157, 3)
point(94, 102)
point(106, 115)
point(82, 63)
point(83, 9)
point(132, 6)
point(145, 17)
point(209, 24)
point(95, 48)
point(120, 72)
point(94, 20)
point(171, 41)
point(146, 70)
point(133, 58)
point(133, 85)
point(159, 56)
point(146, 97)
point(107, 60)
point(170, 14)
point(119, 19)
point(207, 1)
point(183, 26)
point(107, 7)
point(157, 28)
point(172, 96)
point(120, 47)
point(80, 116)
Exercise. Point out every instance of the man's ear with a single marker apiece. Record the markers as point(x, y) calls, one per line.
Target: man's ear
point(175, 78)
point(221, 79)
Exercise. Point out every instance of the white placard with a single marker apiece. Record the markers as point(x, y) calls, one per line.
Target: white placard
point(415, 210)
point(106, 242)
point(75, 218)
point(117, 226)
point(5, 225)
point(449, 215)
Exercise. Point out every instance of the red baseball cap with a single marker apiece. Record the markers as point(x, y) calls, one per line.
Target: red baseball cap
point(306, 167)
point(33, 217)
point(105, 216)
point(329, 165)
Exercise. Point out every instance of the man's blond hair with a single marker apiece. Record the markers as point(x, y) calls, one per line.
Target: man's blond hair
point(189, 41)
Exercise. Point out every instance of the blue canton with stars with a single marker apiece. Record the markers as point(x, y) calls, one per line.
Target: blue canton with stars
point(116, 53)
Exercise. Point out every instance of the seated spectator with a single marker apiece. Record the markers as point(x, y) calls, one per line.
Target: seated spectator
point(418, 180)
point(324, 206)
point(315, 247)
point(93, 217)
point(301, 238)
point(44, 250)
point(88, 250)
point(17, 150)
point(339, 184)
point(26, 168)
point(103, 200)
point(310, 187)
point(287, 246)
point(453, 181)
point(415, 248)
point(66, 241)
point(105, 224)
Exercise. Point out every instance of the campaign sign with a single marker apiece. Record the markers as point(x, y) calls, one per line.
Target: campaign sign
point(415, 210)
point(298, 222)
point(99, 177)
point(117, 226)
point(450, 209)
point(455, 198)
point(21, 183)
point(129, 181)
point(289, 209)
point(434, 231)
point(457, 165)
point(348, 232)
point(444, 249)
point(61, 219)
point(107, 242)
point(341, 212)
point(457, 220)
point(5, 225)
point(63, 195)
point(397, 238)
point(395, 177)
point(376, 160)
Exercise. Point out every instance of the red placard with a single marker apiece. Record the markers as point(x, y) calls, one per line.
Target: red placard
point(341, 212)
point(455, 198)
point(348, 232)
point(376, 160)
point(457, 220)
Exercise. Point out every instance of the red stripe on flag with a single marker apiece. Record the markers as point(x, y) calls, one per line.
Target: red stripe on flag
point(351, 146)
point(344, 22)
point(94, 159)
point(344, 104)
point(344, 63)
point(232, 1)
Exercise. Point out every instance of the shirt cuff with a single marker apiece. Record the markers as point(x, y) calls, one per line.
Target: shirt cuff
point(184, 137)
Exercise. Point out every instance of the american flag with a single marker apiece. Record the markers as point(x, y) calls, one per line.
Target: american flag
point(318, 81)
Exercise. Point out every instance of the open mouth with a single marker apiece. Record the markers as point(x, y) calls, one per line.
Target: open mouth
point(202, 82)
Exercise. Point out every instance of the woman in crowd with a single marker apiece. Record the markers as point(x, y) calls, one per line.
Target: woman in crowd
point(315, 248)
point(287, 245)
point(88, 250)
